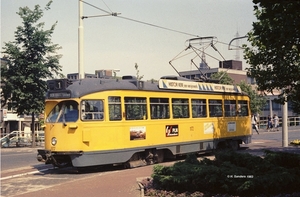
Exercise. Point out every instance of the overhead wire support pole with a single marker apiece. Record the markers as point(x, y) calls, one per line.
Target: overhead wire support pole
point(284, 121)
point(112, 14)
point(81, 74)
point(80, 42)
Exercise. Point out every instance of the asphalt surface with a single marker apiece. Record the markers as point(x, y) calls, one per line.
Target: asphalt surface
point(114, 184)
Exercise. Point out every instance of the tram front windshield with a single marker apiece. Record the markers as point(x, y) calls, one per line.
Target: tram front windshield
point(65, 111)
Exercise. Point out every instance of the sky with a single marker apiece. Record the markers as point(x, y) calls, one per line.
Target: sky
point(116, 43)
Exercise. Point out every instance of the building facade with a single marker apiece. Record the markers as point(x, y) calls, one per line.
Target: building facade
point(234, 70)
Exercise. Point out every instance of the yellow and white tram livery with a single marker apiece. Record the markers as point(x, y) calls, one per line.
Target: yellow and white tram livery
point(97, 121)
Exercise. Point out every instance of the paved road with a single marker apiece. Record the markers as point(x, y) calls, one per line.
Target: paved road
point(33, 181)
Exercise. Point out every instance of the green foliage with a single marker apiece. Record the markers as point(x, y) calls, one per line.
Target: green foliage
point(232, 173)
point(32, 58)
point(138, 77)
point(274, 51)
point(257, 101)
point(224, 78)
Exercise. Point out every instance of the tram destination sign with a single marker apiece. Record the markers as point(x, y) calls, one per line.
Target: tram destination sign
point(62, 94)
point(197, 86)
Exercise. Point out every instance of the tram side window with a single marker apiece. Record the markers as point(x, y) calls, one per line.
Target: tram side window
point(243, 108)
point(215, 108)
point(199, 108)
point(135, 108)
point(159, 108)
point(230, 108)
point(92, 110)
point(114, 106)
point(180, 108)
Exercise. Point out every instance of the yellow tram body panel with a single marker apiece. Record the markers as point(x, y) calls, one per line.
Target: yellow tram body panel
point(109, 135)
point(96, 121)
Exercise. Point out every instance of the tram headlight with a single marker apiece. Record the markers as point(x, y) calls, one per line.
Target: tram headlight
point(53, 141)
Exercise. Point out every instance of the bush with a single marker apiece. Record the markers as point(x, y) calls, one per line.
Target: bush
point(232, 173)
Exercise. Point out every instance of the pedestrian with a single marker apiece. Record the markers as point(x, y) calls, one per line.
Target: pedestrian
point(276, 122)
point(254, 123)
point(269, 123)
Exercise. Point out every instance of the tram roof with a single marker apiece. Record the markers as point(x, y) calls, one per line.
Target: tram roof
point(91, 85)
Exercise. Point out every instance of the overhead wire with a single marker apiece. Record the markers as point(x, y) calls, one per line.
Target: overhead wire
point(160, 27)
point(107, 6)
point(157, 26)
point(107, 12)
point(134, 20)
point(141, 22)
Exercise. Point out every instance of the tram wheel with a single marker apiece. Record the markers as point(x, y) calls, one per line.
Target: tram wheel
point(160, 156)
point(234, 145)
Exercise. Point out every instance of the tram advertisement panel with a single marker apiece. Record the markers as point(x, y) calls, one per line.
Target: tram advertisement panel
point(138, 133)
point(172, 130)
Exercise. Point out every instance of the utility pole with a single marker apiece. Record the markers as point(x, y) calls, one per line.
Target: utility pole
point(284, 123)
point(80, 42)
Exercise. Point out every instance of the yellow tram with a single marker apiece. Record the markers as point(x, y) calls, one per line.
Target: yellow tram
point(125, 121)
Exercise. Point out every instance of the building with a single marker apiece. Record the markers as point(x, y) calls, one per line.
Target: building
point(234, 70)
point(232, 67)
point(104, 73)
point(75, 76)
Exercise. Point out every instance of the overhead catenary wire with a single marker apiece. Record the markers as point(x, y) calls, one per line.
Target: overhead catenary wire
point(133, 20)
point(212, 44)
point(157, 26)
point(107, 12)
point(111, 13)
point(107, 6)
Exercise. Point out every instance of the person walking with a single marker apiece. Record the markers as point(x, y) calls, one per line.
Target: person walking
point(269, 123)
point(254, 123)
point(276, 122)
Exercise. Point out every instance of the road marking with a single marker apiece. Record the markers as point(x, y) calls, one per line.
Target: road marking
point(22, 174)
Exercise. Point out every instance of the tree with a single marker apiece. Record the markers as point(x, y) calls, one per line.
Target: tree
point(32, 58)
point(257, 101)
point(224, 78)
point(138, 77)
point(275, 47)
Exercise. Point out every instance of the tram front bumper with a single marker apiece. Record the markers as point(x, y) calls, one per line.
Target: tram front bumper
point(48, 157)
point(44, 156)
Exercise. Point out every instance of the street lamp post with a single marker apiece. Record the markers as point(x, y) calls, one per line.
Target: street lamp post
point(284, 123)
